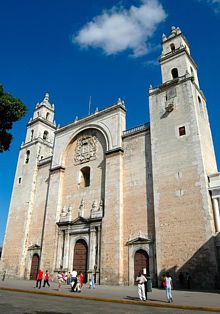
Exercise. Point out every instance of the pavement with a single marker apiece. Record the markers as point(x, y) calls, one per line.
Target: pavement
point(182, 299)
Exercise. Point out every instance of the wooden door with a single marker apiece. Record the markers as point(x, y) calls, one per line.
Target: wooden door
point(34, 267)
point(141, 261)
point(80, 257)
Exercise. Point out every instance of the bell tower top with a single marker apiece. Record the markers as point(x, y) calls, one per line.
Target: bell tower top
point(42, 125)
point(175, 59)
point(44, 110)
point(175, 41)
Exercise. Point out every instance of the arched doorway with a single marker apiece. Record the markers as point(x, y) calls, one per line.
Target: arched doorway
point(80, 257)
point(34, 266)
point(141, 261)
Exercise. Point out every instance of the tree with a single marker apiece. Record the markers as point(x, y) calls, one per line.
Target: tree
point(11, 110)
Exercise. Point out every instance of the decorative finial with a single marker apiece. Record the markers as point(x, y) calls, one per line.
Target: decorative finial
point(164, 37)
point(173, 30)
point(46, 97)
point(150, 87)
point(76, 119)
point(96, 110)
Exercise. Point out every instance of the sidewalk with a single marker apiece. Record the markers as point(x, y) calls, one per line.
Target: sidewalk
point(123, 294)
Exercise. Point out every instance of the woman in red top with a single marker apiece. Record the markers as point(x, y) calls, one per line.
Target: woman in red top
point(46, 279)
point(81, 279)
point(39, 278)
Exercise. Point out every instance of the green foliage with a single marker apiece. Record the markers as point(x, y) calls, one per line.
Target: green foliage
point(11, 110)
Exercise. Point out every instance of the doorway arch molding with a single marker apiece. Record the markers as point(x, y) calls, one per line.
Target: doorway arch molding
point(134, 246)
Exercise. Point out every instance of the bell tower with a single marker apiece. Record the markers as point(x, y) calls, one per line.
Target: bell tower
point(42, 125)
point(34, 153)
point(182, 158)
point(175, 59)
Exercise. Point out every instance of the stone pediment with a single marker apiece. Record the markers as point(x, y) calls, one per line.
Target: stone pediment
point(139, 240)
point(34, 247)
point(79, 221)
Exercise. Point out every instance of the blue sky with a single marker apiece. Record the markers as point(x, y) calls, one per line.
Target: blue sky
point(103, 49)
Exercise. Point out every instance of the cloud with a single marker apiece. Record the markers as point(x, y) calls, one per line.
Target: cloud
point(215, 5)
point(120, 29)
point(152, 62)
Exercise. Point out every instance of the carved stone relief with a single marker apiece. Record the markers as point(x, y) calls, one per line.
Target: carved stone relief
point(85, 149)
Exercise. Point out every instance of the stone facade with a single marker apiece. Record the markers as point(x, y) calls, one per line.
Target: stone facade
point(95, 196)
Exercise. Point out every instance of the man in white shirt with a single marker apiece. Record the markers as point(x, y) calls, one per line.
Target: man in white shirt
point(73, 279)
point(141, 289)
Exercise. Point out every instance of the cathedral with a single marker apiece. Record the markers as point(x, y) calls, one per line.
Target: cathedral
point(99, 198)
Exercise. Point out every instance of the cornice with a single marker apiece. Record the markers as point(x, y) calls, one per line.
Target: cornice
point(91, 117)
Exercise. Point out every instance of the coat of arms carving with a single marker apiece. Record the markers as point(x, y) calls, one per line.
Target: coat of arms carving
point(85, 149)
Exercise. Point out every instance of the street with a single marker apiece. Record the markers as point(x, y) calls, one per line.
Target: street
point(25, 303)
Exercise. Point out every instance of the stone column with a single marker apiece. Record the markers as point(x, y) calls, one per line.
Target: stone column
point(216, 214)
point(59, 249)
point(92, 249)
point(66, 250)
point(53, 210)
point(98, 249)
point(98, 244)
point(111, 271)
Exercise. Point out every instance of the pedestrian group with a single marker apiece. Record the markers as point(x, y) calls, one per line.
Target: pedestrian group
point(73, 279)
point(76, 282)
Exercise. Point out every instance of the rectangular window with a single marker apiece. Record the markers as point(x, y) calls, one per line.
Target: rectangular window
point(19, 180)
point(182, 131)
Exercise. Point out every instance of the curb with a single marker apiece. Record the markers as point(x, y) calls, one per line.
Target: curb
point(143, 303)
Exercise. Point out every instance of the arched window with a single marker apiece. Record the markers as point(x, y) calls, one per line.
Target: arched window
point(32, 134)
point(199, 100)
point(174, 73)
point(45, 135)
point(84, 177)
point(27, 156)
point(47, 115)
point(192, 72)
point(172, 47)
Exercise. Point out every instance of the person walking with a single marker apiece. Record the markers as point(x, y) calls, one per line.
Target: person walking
point(73, 279)
point(93, 280)
point(60, 280)
point(188, 280)
point(169, 285)
point(46, 279)
point(81, 278)
point(39, 279)
point(3, 277)
point(145, 284)
point(141, 289)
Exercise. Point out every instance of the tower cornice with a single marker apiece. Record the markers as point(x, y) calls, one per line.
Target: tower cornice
point(173, 54)
point(40, 119)
point(170, 38)
point(167, 85)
